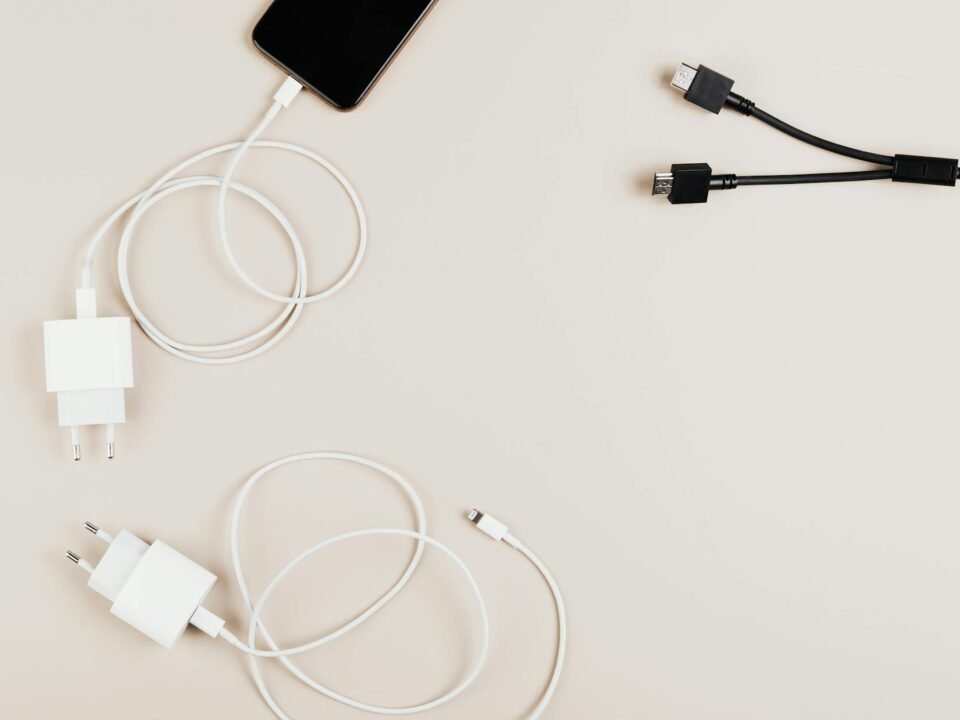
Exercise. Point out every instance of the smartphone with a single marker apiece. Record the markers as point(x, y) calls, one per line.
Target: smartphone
point(337, 48)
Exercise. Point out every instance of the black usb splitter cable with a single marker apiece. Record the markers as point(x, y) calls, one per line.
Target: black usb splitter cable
point(692, 182)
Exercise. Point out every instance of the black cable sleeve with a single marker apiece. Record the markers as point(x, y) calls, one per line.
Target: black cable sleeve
point(812, 178)
point(748, 108)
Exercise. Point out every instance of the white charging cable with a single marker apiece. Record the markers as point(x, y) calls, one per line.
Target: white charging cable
point(89, 359)
point(159, 591)
point(169, 183)
point(255, 610)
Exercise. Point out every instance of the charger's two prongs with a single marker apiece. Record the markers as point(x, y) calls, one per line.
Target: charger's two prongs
point(79, 561)
point(97, 532)
point(111, 441)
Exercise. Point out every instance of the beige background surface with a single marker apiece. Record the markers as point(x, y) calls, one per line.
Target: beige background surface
point(730, 430)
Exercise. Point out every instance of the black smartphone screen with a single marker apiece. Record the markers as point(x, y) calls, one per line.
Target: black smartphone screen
point(338, 48)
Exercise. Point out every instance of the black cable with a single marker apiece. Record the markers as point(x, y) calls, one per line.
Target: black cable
point(693, 182)
point(748, 108)
point(803, 179)
point(688, 183)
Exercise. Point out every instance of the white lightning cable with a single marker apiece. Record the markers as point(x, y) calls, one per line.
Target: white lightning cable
point(261, 340)
point(561, 625)
point(500, 532)
point(484, 522)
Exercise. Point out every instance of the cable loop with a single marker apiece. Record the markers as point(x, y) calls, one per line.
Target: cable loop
point(283, 655)
point(258, 342)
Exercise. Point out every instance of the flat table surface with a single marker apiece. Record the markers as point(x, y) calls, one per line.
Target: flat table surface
point(730, 430)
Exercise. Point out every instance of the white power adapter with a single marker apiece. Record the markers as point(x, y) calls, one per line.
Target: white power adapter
point(89, 363)
point(152, 587)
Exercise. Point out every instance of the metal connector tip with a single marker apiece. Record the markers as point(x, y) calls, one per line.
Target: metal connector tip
point(111, 450)
point(76, 453)
point(91, 527)
point(80, 562)
point(663, 183)
point(683, 78)
point(474, 516)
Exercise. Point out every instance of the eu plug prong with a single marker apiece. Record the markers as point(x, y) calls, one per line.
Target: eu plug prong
point(102, 534)
point(111, 444)
point(79, 561)
point(75, 439)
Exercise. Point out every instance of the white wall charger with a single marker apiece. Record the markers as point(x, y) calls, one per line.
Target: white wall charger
point(152, 587)
point(89, 364)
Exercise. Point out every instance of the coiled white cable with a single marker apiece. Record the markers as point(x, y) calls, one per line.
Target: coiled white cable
point(283, 654)
point(263, 339)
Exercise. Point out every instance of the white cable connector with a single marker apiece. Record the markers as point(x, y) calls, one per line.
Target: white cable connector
point(495, 529)
point(103, 361)
point(488, 525)
point(160, 592)
point(287, 92)
point(89, 363)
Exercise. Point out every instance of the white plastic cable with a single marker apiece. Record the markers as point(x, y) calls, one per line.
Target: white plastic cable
point(283, 654)
point(263, 339)
point(256, 622)
point(561, 625)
